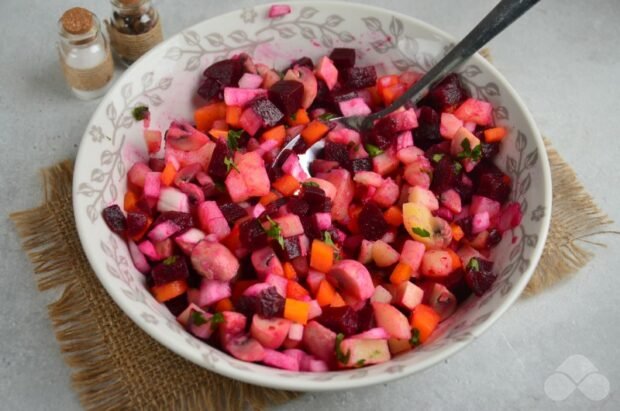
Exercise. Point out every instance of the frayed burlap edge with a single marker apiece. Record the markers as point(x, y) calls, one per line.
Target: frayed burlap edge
point(98, 377)
point(575, 219)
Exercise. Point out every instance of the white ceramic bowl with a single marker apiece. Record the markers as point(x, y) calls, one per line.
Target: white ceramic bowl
point(166, 79)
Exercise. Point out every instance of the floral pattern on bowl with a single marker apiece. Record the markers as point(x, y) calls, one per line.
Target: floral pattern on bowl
point(113, 141)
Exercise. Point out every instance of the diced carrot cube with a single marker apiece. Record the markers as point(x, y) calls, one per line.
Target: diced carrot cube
point(204, 117)
point(321, 256)
point(457, 232)
point(168, 174)
point(130, 200)
point(239, 287)
point(218, 133)
point(393, 216)
point(495, 134)
point(326, 293)
point(233, 114)
point(277, 133)
point(168, 291)
point(402, 272)
point(300, 117)
point(289, 271)
point(286, 185)
point(297, 311)
point(268, 198)
point(425, 320)
point(338, 301)
point(456, 260)
point(314, 131)
point(224, 305)
point(295, 290)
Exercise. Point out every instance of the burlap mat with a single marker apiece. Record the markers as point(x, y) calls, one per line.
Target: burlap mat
point(117, 366)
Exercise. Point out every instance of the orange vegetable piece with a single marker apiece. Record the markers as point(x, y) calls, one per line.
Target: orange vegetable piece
point(224, 305)
point(456, 260)
point(218, 133)
point(321, 256)
point(233, 114)
point(277, 133)
point(425, 320)
point(300, 117)
point(268, 198)
point(457, 232)
point(326, 293)
point(205, 116)
point(286, 185)
point(385, 82)
point(295, 290)
point(296, 310)
point(338, 301)
point(233, 240)
point(289, 271)
point(393, 216)
point(314, 131)
point(401, 273)
point(493, 135)
point(353, 224)
point(168, 291)
point(130, 200)
point(391, 93)
point(168, 174)
point(374, 95)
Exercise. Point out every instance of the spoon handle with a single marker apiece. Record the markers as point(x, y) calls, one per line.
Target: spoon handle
point(503, 15)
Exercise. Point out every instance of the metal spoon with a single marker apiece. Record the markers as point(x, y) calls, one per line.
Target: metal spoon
point(503, 15)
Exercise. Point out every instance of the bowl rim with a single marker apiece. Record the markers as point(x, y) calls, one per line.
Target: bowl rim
point(279, 382)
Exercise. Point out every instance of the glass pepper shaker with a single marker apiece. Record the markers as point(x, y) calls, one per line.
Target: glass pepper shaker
point(84, 54)
point(134, 29)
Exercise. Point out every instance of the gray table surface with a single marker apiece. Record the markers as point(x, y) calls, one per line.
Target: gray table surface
point(564, 60)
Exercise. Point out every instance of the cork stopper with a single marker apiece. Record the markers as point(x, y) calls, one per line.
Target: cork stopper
point(77, 20)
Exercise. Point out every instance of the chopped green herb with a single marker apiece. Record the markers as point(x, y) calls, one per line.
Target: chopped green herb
point(233, 139)
point(421, 232)
point(415, 337)
point(170, 260)
point(327, 116)
point(140, 112)
point(275, 232)
point(473, 264)
point(229, 162)
point(458, 167)
point(310, 184)
point(437, 157)
point(198, 319)
point(327, 239)
point(360, 363)
point(373, 151)
point(467, 152)
point(340, 356)
point(216, 320)
point(294, 116)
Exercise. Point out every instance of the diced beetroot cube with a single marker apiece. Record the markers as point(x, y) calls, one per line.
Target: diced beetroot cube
point(356, 78)
point(326, 71)
point(480, 276)
point(267, 111)
point(252, 234)
point(171, 269)
point(115, 219)
point(291, 249)
point(232, 212)
point(136, 223)
point(427, 132)
point(343, 58)
point(372, 224)
point(446, 95)
point(306, 77)
point(287, 95)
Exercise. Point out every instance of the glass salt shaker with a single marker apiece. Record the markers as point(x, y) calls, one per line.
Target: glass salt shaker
point(84, 53)
point(134, 29)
